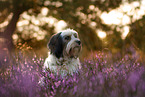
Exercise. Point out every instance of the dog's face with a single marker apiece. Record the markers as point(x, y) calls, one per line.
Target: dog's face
point(65, 44)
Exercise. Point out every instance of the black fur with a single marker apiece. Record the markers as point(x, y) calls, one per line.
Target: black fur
point(55, 45)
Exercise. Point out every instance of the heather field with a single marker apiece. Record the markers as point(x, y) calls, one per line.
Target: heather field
point(100, 76)
point(110, 32)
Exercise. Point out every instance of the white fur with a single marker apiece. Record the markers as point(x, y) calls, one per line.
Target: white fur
point(64, 65)
point(68, 32)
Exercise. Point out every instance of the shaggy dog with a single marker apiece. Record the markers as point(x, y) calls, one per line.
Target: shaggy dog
point(64, 49)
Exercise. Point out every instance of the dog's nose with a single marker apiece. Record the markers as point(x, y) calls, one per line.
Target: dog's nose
point(78, 41)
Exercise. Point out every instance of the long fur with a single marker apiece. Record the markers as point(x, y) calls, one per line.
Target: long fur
point(62, 66)
point(56, 45)
point(63, 55)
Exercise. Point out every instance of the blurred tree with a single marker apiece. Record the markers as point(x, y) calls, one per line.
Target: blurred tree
point(78, 14)
point(115, 42)
point(16, 7)
point(137, 34)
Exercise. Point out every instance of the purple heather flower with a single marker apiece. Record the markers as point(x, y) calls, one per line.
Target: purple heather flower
point(133, 80)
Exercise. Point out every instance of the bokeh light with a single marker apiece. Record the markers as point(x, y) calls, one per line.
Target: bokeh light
point(101, 34)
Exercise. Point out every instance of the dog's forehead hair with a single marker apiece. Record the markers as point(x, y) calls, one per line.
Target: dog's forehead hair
point(68, 32)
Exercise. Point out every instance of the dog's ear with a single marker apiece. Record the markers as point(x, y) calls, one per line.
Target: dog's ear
point(55, 45)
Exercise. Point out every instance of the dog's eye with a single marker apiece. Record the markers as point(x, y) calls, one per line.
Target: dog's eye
point(75, 35)
point(67, 38)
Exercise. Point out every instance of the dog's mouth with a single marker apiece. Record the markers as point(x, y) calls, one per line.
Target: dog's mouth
point(74, 51)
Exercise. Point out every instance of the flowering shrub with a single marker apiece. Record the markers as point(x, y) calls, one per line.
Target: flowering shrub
point(99, 77)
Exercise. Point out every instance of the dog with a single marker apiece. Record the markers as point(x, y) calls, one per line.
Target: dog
point(64, 49)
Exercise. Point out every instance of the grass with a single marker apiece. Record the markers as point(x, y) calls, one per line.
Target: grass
point(99, 77)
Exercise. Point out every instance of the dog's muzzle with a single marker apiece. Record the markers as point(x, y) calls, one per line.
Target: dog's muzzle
point(73, 48)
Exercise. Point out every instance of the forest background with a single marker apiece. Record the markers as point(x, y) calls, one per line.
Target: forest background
point(115, 26)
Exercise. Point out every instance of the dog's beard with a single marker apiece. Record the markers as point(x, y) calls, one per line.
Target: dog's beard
point(74, 52)
point(73, 49)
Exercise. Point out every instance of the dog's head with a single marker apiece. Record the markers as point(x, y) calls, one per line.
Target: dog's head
point(65, 44)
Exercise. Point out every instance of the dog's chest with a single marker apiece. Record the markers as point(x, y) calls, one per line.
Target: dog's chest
point(62, 66)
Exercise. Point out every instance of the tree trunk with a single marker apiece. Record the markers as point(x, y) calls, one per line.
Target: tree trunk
point(8, 32)
point(6, 41)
